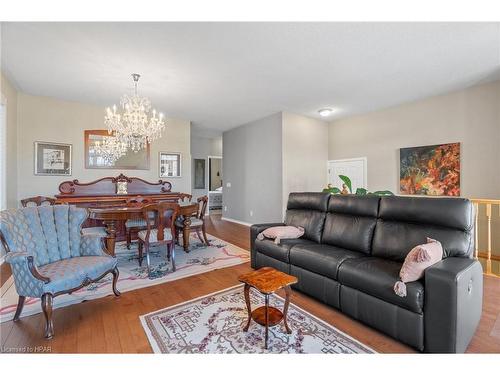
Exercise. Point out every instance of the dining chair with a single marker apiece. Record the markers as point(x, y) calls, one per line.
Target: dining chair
point(185, 197)
point(161, 232)
point(197, 221)
point(136, 225)
point(38, 201)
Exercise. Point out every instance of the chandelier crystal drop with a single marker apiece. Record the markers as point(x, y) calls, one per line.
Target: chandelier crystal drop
point(138, 124)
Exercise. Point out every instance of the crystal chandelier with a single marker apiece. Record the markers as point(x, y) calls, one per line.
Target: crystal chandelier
point(110, 149)
point(137, 125)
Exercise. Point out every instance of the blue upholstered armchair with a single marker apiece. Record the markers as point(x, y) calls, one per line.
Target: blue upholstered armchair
point(49, 256)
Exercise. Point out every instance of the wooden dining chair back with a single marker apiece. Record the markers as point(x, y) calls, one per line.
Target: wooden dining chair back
point(133, 226)
point(159, 231)
point(196, 221)
point(38, 201)
point(202, 207)
point(185, 197)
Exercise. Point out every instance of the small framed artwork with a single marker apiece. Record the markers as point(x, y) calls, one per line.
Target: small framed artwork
point(170, 164)
point(52, 159)
point(199, 173)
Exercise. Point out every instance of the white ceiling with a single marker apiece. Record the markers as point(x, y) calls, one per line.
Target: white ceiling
point(221, 75)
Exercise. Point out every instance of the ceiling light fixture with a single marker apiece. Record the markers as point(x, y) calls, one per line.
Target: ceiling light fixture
point(324, 112)
point(135, 126)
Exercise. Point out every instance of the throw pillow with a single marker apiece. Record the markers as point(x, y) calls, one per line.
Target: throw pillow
point(281, 232)
point(416, 262)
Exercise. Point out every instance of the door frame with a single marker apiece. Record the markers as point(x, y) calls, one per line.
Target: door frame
point(364, 159)
point(208, 182)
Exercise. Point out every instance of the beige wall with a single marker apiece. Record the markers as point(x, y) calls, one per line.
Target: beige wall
point(470, 116)
point(51, 120)
point(305, 154)
point(9, 94)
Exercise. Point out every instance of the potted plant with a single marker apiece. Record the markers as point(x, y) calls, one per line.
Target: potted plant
point(347, 189)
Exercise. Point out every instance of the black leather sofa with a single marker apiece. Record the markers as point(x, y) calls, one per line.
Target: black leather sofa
point(351, 254)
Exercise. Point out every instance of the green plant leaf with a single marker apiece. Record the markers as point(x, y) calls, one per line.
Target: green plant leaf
point(333, 190)
point(361, 191)
point(383, 192)
point(346, 181)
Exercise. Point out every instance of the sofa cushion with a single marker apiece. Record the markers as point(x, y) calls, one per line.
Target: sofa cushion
point(406, 222)
point(281, 251)
point(349, 232)
point(324, 260)
point(69, 273)
point(376, 277)
point(308, 210)
point(356, 205)
point(308, 201)
point(350, 222)
point(394, 240)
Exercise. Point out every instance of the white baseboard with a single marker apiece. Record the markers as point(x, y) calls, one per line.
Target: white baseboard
point(236, 221)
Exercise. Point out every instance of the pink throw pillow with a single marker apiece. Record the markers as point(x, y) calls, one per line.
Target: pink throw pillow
point(281, 232)
point(416, 262)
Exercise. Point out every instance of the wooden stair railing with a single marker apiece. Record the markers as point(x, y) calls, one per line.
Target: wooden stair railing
point(491, 230)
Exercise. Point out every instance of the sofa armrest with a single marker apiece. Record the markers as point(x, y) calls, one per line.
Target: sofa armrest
point(29, 282)
point(92, 244)
point(254, 232)
point(453, 304)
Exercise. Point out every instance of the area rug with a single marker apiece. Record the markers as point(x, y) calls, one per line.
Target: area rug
point(214, 324)
point(200, 258)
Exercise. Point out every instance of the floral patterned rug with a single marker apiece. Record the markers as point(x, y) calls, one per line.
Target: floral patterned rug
point(199, 259)
point(214, 324)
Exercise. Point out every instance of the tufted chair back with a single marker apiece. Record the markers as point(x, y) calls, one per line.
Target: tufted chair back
point(49, 233)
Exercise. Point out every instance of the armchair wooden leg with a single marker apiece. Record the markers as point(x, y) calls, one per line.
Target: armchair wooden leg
point(198, 233)
point(146, 246)
point(172, 256)
point(19, 310)
point(129, 238)
point(47, 312)
point(205, 235)
point(116, 274)
point(140, 252)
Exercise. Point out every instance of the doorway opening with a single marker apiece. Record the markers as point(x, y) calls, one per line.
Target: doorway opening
point(214, 185)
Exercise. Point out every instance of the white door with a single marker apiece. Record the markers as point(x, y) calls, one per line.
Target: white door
point(355, 169)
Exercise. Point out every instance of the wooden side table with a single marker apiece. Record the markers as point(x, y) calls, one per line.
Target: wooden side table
point(267, 281)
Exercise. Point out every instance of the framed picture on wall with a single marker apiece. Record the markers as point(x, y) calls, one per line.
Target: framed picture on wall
point(430, 170)
point(52, 159)
point(199, 173)
point(169, 164)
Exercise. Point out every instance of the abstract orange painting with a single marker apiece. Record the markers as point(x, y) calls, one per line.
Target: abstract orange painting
point(430, 170)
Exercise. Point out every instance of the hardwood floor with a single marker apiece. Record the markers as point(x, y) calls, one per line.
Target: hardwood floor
point(111, 325)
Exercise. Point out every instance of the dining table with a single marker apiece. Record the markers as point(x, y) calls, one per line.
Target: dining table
point(113, 214)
